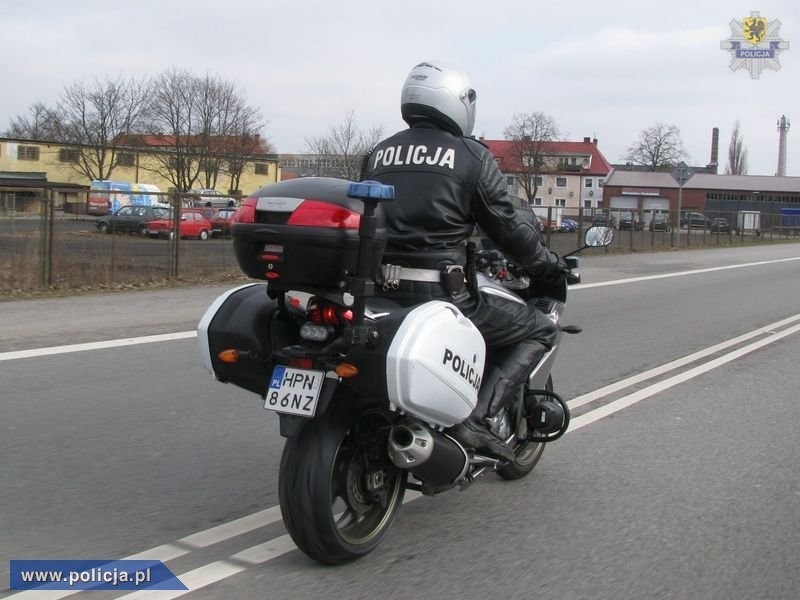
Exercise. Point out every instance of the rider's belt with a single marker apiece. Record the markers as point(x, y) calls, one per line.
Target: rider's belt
point(394, 274)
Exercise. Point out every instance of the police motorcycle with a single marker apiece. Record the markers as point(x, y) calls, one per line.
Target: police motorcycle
point(366, 391)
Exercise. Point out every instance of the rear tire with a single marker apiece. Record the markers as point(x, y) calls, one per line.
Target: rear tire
point(527, 453)
point(104, 228)
point(339, 492)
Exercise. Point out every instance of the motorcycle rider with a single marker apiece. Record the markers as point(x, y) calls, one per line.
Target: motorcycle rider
point(446, 182)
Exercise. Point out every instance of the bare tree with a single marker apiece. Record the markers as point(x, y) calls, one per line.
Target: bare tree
point(95, 119)
point(657, 147)
point(203, 125)
point(341, 152)
point(41, 124)
point(530, 133)
point(737, 153)
point(91, 118)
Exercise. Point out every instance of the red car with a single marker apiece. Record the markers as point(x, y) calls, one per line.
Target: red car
point(221, 222)
point(192, 225)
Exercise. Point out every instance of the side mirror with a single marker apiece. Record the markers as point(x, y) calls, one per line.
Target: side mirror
point(598, 236)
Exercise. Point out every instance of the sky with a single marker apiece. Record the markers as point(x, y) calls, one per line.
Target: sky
point(603, 70)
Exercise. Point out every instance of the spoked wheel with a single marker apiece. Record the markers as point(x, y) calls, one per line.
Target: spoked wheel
point(339, 492)
point(527, 453)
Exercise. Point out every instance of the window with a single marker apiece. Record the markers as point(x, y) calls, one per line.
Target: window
point(587, 204)
point(69, 155)
point(561, 182)
point(601, 182)
point(510, 180)
point(126, 159)
point(588, 182)
point(562, 202)
point(27, 153)
point(538, 181)
point(537, 201)
point(261, 168)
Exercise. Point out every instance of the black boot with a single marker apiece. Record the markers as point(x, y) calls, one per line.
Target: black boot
point(499, 387)
point(501, 384)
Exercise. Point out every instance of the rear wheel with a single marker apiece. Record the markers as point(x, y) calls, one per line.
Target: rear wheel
point(104, 228)
point(526, 453)
point(339, 492)
point(203, 235)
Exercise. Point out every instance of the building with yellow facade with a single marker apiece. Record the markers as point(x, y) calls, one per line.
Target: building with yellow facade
point(31, 170)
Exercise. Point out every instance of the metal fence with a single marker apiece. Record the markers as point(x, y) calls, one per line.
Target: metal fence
point(637, 231)
point(45, 247)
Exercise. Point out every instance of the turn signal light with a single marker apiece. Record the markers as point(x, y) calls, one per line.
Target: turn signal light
point(346, 370)
point(229, 356)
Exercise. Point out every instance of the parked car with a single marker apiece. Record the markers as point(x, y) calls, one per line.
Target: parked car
point(569, 224)
point(210, 199)
point(130, 219)
point(628, 220)
point(604, 219)
point(221, 222)
point(720, 225)
point(694, 219)
point(660, 222)
point(192, 225)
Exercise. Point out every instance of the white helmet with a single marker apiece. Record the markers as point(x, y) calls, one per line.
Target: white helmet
point(435, 92)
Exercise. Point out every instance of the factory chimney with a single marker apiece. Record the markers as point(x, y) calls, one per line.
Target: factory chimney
point(714, 164)
point(783, 129)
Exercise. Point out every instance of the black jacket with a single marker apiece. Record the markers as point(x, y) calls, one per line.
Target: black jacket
point(444, 185)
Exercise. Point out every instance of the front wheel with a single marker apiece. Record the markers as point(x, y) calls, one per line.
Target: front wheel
point(339, 492)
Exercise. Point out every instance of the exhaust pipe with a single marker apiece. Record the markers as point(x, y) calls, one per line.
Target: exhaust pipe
point(410, 444)
point(434, 458)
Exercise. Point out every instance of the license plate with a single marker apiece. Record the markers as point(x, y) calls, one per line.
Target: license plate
point(294, 391)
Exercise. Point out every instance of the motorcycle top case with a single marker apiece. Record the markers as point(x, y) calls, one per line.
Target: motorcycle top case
point(434, 364)
point(302, 234)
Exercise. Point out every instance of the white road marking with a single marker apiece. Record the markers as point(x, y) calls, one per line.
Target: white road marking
point(631, 399)
point(680, 362)
point(51, 350)
point(680, 273)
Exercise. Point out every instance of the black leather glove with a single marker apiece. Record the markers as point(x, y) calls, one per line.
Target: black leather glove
point(561, 264)
point(558, 271)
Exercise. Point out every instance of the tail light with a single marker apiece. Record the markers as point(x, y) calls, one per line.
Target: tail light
point(313, 213)
point(247, 211)
point(324, 313)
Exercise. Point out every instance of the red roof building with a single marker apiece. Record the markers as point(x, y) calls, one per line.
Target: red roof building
point(572, 177)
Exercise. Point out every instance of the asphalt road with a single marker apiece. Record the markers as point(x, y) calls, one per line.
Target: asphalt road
point(678, 478)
